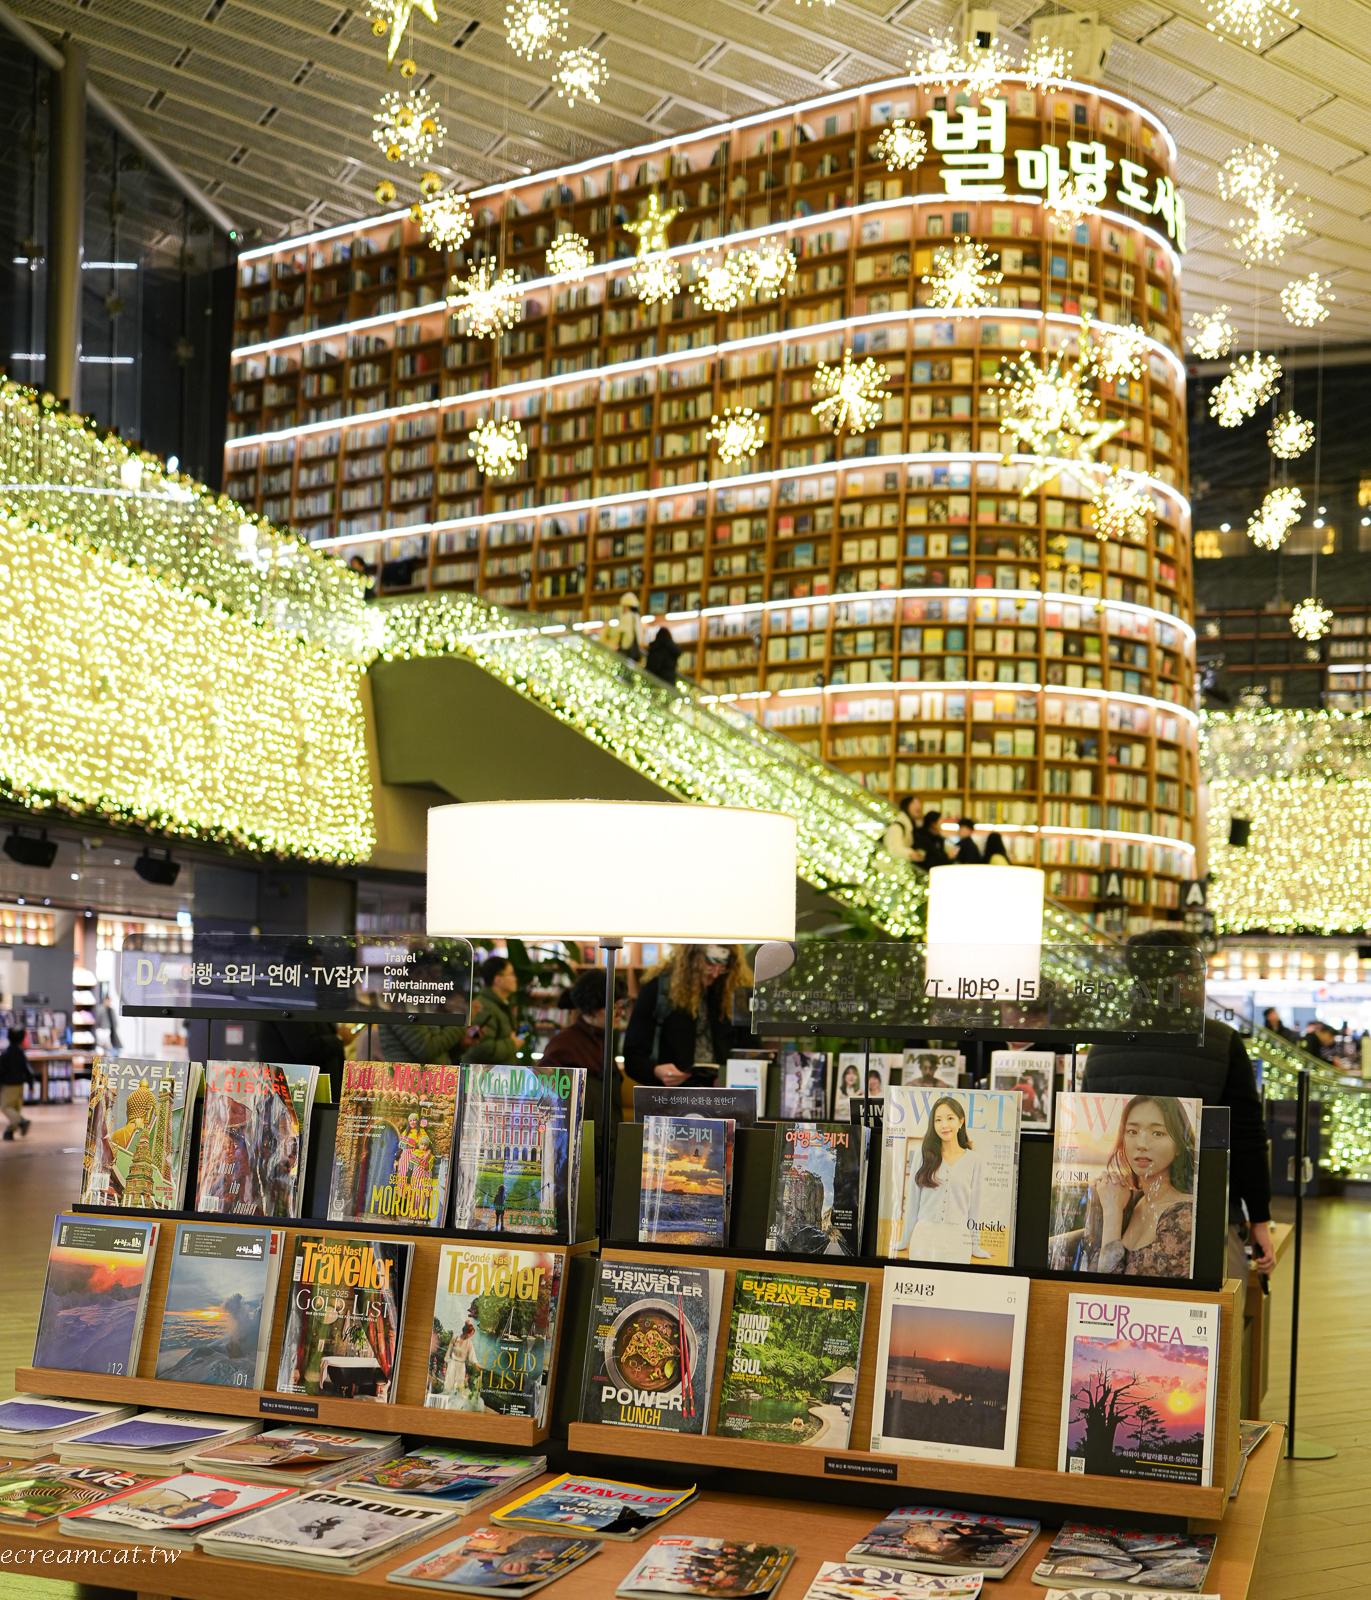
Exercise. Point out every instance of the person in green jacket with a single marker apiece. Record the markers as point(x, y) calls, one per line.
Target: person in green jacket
point(491, 1012)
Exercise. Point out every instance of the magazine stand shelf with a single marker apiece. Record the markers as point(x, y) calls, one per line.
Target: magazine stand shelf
point(1034, 1478)
point(407, 1415)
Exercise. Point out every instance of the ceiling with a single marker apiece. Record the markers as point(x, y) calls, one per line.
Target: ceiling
point(270, 108)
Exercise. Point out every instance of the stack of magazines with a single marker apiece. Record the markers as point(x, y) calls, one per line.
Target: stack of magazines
point(597, 1507)
point(31, 1424)
point(174, 1513)
point(501, 1561)
point(299, 1458)
point(435, 1475)
point(326, 1531)
point(157, 1440)
point(932, 1539)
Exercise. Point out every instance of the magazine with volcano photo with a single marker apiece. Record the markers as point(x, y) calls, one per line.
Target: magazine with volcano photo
point(95, 1295)
point(1138, 1394)
point(220, 1295)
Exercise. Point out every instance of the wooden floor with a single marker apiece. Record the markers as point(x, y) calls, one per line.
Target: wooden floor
point(1319, 1530)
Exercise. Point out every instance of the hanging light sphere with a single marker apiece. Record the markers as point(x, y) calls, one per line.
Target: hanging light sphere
point(1290, 436)
point(1310, 620)
point(569, 256)
point(497, 447)
point(738, 432)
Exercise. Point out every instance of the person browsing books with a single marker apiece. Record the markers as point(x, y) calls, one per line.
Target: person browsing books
point(492, 1017)
point(942, 1196)
point(15, 1075)
point(682, 1015)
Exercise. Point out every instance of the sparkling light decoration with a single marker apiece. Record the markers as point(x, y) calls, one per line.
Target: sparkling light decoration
point(1302, 300)
point(738, 432)
point(392, 16)
point(962, 276)
point(1213, 336)
point(1290, 435)
point(1123, 509)
point(497, 447)
point(444, 219)
point(1248, 173)
point(1247, 384)
point(852, 397)
point(1121, 350)
point(1310, 620)
point(1074, 200)
point(407, 127)
point(1052, 411)
point(772, 267)
point(1045, 66)
point(534, 28)
point(488, 300)
point(902, 146)
point(580, 75)
point(570, 256)
point(721, 283)
point(1251, 22)
point(952, 64)
point(655, 278)
point(651, 227)
point(1268, 526)
point(1261, 237)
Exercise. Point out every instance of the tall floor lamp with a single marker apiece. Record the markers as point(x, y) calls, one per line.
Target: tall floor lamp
point(613, 871)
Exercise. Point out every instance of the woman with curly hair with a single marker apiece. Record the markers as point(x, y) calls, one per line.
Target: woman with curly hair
point(682, 1015)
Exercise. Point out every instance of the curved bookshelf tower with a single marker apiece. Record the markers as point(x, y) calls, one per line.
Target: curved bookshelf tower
point(903, 601)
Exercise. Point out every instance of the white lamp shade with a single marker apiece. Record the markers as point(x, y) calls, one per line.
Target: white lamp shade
point(554, 869)
point(985, 924)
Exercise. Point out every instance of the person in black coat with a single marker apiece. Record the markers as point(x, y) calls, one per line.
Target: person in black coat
point(685, 1009)
point(662, 656)
point(968, 851)
point(928, 837)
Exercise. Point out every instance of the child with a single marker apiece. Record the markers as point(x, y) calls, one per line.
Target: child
point(14, 1074)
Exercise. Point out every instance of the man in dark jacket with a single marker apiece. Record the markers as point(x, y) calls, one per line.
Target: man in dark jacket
point(1218, 1073)
point(15, 1074)
point(582, 1044)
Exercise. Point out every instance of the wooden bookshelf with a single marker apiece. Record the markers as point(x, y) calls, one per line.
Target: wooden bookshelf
point(1034, 1477)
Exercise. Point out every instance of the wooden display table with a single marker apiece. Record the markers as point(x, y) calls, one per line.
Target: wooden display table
point(44, 1061)
point(1257, 1324)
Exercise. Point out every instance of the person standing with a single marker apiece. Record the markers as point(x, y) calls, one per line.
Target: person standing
point(994, 851)
point(496, 1039)
point(899, 836)
point(624, 633)
point(928, 837)
point(663, 654)
point(15, 1076)
point(968, 851)
point(582, 1044)
point(683, 1015)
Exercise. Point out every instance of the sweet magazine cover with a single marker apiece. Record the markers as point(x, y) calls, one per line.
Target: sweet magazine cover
point(949, 1176)
point(650, 1354)
point(794, 1350)
point(1124, 1171)
point(252, 1142)
point(346, 1317)
point(519, 1155)
point(494, 1329)
point(686, 1189)
point(221, 1282)
point(393, 1157)
point(95, 1294)
point(1032, 1074)
point(500, 1561)
point(136, 1127)
point(722, 1569)
point(934, 1539)
point(816, 1189)
point(1138, 1394)
point(1085, 1557)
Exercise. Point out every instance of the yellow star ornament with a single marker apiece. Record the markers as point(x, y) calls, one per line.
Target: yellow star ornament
point(651, 229)
point(396, 13)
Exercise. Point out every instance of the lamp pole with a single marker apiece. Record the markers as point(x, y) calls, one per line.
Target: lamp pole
point(611, 948)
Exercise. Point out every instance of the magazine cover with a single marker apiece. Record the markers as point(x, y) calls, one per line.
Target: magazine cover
point(1032, 1074)
point(804, 1084)
point(949, 1176)
point(597, 1506)
point(748, 1073)
point(502, 1561)
point(650, 1354)
point(252, 1148)
point(135, 1154)
point(816, 1189)
point(25, 1415)
point(222, 1280)
point(308, 1456)
point(858, 1076)
point(160, 1438)
point(687, 1185)
point(927, 1069)
point(435, 1475)
point(934, 1539)
point(1085, 1557)
point(179, 1505)
point(95, 1294)
point(1123, 1185)
point(45, 1490)
point(342, 1529)
point(709, 1567)
point(794, 1351)
point(393, 1157)
point(346, 1317)
point(494, 1329)
point(1138, 1394)
point(519, 1157)
point(949, 1365)
point(855, 1580)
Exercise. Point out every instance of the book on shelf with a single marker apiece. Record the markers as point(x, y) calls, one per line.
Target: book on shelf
point(933, 1539)
point(302, 1457)
point(499, 1561)
point(857, 1076)
point(158, 1440)
point(42, 1490)
point(1030, 1073)
point(600, 1508)
point(804, 1083)
point(861, 1580)
point(30, 1424)
point(921, 1068)
point(393, 1157)
point(818, 1172)
point(519, 1152)
point(949, 1176)
point(345, 1317)
point(1139, 1389)
point(254, 1137)
point(686, 1191)
point(748, 1073)
point(495, 1316)
point(1250, 1435)
point(172, 1513)
point(95, 1294)
point(1124, 1171)
point(437, 1475)
point(650, 1354)
point(326, 1531)
point(138, 1133)
point(1085, 1557)
point(794, 1351)
point(695, 1100)
point(216, 1323)
point(693, 1565)
point(949, 1365)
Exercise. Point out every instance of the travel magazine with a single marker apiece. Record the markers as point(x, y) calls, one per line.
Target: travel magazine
point(345, 1321)
point(600, 1508)
point(216, 1322)
point(818, 1175)
point(254, 1138)
point(497, 1561)
point(95, 1295)
point(686, 1192)
point(935, 1539)
point(137, 1133)
point(393, 1158)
